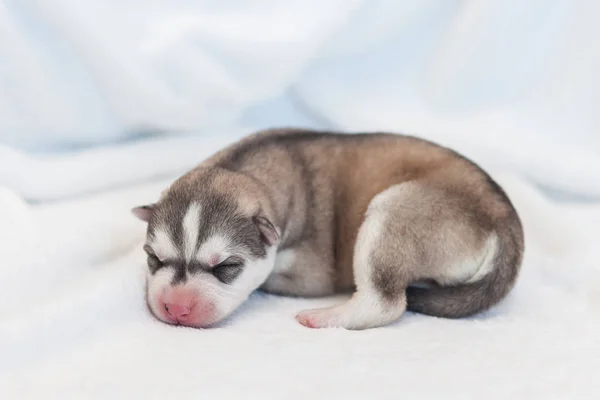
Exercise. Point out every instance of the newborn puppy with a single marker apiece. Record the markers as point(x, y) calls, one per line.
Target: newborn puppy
point(304, 213)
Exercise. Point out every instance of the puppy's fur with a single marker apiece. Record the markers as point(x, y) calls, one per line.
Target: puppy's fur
point(305, 213)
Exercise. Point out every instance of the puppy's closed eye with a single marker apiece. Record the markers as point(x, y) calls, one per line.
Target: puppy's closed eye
point(154, 262)
point(226, 272)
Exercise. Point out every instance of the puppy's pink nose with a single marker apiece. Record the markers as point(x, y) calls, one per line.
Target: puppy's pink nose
point(177, 311)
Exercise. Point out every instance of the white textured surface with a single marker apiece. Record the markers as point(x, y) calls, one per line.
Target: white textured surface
point(511, 83)
point(74, 321)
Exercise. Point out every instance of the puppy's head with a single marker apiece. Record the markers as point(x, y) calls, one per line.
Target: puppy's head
point(210, 243)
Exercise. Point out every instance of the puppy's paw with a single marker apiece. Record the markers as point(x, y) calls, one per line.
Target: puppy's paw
point(320, 318)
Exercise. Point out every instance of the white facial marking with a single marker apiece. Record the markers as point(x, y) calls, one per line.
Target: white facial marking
point(216, 245)
point(156, 286)
point(227, 297)
point(162, 244)
point(191, 227)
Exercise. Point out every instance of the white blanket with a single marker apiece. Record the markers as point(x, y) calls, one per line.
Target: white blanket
point(511, 84)
point(74, 322)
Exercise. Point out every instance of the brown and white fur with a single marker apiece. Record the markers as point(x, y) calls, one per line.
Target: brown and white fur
point(305, 213)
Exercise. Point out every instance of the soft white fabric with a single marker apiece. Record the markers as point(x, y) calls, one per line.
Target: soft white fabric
point(74, 321)
point(511, 84)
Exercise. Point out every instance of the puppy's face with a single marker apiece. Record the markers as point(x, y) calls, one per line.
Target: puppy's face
point(205, 256)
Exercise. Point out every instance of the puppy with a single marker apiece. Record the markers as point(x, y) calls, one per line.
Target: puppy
point(306, 213)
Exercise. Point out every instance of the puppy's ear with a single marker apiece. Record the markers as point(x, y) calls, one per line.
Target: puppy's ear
point(268, 232)
point(144, 212)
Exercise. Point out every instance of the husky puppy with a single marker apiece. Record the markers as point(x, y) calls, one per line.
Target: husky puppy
point(307, 213)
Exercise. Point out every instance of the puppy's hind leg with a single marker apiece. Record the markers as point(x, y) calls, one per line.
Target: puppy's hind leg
point(383, 260)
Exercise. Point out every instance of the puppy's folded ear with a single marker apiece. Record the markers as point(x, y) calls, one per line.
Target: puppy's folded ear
point(268, 232)
point(143, 212)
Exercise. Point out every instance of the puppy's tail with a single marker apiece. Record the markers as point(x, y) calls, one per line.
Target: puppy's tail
point(470, 298)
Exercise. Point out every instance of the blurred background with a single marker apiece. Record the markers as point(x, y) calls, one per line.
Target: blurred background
point(101, 94)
